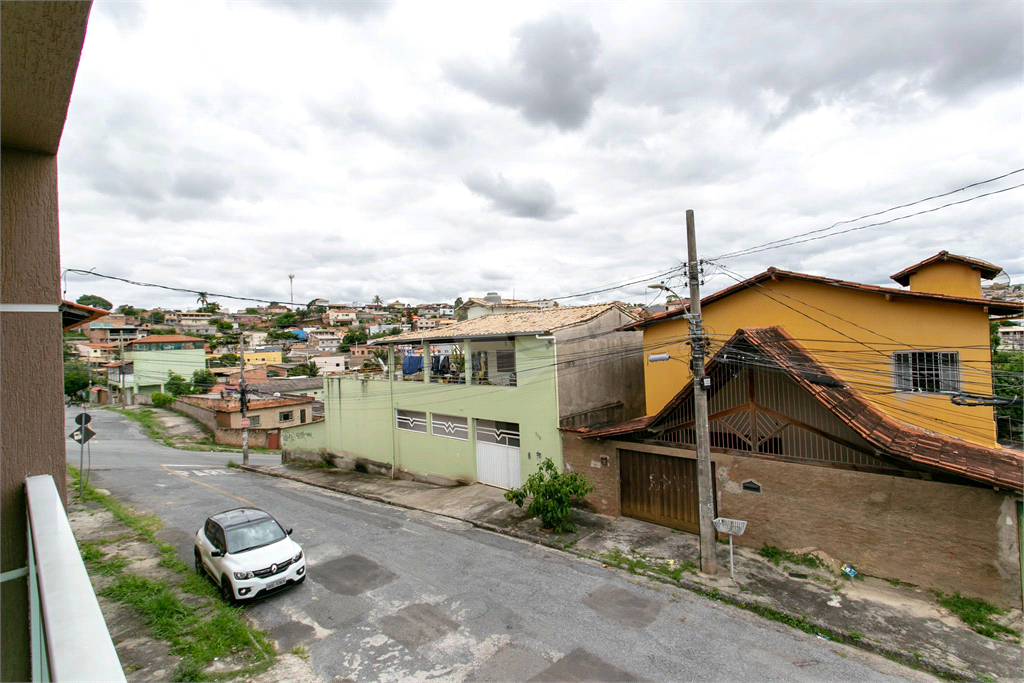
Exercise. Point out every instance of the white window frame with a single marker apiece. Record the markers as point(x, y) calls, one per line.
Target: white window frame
point(926, 372)
point(411, 421)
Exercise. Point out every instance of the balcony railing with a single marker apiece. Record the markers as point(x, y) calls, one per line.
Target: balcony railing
point(69, 637)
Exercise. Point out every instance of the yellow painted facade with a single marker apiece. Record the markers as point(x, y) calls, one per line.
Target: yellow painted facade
point(263, 357)
point(947, 277)
point(878, 326)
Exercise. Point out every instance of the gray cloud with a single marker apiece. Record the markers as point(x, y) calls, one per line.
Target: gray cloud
point(353, 10)
point(777, 60)
point(436, 130)
point(554, 76)
point(528, 198)
point(203, 186)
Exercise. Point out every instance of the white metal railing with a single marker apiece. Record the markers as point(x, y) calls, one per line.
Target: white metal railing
point(69, 637)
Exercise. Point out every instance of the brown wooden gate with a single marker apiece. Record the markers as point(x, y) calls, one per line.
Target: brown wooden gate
point(661, 489)
point(274, 439)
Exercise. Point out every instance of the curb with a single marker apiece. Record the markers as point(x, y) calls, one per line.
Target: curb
point(905, 658)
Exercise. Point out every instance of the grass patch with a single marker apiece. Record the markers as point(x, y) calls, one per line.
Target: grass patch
point(323, 464)
point(778, 556)
point(232, 463)
point(639, 563)
point(976, 613)
point(300, 651)
point(197, 635)
point(856, 636)
point(112, 566)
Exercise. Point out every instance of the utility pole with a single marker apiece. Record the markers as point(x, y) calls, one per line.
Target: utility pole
point(706, 503)
point(243, 404)
point(124, 399)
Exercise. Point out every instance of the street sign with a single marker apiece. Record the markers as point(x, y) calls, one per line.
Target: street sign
point(83, 419)
point(245, 422)
point(82, 434)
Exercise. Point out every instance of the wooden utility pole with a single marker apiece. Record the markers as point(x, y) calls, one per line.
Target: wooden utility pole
point(706, 503)
point(243, 404)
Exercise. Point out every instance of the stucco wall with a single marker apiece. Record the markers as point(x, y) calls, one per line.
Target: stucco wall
point(360, 417)
point(152, 368)
point(936, 535)
point(204, 416)
point(233, 437)
point(597, 367)
point(307, 437)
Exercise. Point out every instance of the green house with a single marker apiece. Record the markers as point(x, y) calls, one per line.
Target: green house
point(154, 357)
point(489, 404)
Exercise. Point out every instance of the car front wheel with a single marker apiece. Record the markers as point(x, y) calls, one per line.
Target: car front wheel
point(226, 592)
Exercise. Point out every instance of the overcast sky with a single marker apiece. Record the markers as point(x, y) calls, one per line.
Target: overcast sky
point(428, 150)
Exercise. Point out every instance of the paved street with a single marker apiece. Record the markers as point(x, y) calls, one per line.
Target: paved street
point(397, 595)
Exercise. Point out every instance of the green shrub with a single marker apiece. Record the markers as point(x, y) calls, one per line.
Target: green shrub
point(552, 493)
point(162, 400)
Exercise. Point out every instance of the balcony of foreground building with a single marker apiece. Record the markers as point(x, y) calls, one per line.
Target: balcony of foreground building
point(69, 640)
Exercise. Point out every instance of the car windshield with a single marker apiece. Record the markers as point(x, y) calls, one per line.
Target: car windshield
point(262, 532)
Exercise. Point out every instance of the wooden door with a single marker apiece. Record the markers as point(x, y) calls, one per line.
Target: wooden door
point(661, 489)
point(273, 440)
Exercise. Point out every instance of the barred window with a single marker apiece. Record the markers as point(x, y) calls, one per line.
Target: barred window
point(506, 361)
point(411, 421)
point(933, 372)
point(449, 426)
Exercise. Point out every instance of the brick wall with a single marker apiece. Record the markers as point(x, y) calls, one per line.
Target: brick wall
point(949, 537)
point(233, 437)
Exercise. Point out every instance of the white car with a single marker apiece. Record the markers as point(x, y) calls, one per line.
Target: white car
point(248, 554)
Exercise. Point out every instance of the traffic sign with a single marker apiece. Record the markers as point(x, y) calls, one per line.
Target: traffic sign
point(83, 419)
point(245, 422)
point(82, 434)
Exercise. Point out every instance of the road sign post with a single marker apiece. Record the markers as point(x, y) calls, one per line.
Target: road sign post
point(733, 527)
point(82, 435)
point(245, 422)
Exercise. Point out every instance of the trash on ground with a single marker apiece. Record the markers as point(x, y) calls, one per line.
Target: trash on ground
point(848, 570)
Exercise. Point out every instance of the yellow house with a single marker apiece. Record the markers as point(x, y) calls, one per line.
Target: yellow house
point(270, 355)
point(846, 417)
point(905, 350)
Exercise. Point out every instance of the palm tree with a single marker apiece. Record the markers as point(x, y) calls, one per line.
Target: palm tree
point(377, 300)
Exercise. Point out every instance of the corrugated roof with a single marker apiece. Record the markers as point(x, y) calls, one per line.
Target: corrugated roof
point(540, 321)
point(286, 386)
point(994, 307)
point(994, 466)
point(988, 270)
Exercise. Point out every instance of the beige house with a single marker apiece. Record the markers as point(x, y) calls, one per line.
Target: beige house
point(267, 416)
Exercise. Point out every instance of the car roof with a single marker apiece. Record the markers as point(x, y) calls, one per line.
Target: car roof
point(239, 516)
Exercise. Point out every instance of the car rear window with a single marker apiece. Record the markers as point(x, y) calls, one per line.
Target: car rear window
point(254, 535)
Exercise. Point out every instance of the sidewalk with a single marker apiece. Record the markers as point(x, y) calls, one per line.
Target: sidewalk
point(901, 622)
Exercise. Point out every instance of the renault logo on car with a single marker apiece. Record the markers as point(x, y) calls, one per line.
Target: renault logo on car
point(273, 569)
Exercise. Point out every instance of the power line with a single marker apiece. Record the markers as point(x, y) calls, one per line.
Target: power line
point(182, 290)
point(789, 241)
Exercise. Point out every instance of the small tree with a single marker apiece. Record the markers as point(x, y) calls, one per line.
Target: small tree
point(203, 380)
point(288, 319)
point(307, 369)
point(552, 493)
point(176, 385)
point(228, 360)
point(76, 377)
point(156, 317)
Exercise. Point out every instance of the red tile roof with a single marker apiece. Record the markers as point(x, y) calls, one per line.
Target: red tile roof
point(1003, 308)
point(988, 271)
point(166, 338)
point(994, 466)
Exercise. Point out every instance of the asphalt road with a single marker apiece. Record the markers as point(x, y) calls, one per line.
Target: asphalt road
point(398, 595)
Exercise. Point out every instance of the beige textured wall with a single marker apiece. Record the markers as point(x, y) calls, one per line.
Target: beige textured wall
point(31, 377)
point(936, 535)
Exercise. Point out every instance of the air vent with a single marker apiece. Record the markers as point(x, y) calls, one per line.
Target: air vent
point(752, 486)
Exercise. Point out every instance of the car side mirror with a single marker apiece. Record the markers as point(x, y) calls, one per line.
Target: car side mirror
point(216, 553)
point(290, 531)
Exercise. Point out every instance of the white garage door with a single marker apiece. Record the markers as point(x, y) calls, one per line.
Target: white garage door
point(497, 454)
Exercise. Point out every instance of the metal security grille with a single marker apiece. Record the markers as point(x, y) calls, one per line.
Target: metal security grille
point(934, 372)
point(503, 433)
point(449, 426)
point(411, 421)
point(506, 361)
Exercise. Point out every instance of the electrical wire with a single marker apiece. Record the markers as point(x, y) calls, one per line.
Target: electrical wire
point(787, 241)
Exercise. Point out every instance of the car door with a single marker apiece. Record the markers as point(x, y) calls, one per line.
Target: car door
point(207, 543)
point(220, 544)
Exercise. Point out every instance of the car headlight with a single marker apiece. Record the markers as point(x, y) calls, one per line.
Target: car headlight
point(243, 575)
point(297, 557)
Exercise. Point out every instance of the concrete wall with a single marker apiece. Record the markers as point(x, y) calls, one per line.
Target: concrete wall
point(599, 368)
point(152, 368)
point(233, 437)
point(310, 437)
point(936, 535)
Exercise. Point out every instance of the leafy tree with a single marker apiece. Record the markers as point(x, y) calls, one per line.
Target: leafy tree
point(251, 311)
point(95, 301)
point(307, 369)
point(209, 307)
point(1008, 382)
point(203, 380)
point(354, 337)
point(76, 377)
point(281, 335)
point(376, 300)
point(129, 310)
point(224, 325)
point(229, 360)
point(156, 317)
point(288, 319)
point(176, 385)
point(459, 302)
point(552, 493)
